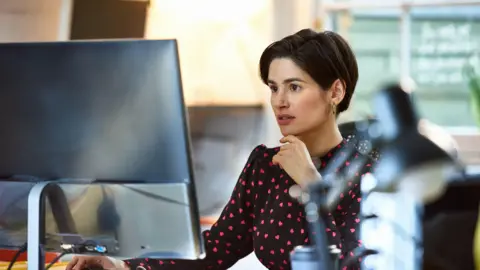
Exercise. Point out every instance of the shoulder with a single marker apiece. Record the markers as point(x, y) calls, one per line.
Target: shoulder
point(260, 160)
point(262, 153)
point(260, 167)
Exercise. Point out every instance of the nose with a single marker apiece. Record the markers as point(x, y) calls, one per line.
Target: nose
point(280, 100)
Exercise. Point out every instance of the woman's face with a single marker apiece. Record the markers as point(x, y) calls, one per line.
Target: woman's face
point(299, 103)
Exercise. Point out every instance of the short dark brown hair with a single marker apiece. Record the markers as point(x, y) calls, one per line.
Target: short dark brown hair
point(325, 56)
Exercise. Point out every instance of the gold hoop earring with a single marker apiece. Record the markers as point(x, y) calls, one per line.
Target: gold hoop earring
point(334, 109)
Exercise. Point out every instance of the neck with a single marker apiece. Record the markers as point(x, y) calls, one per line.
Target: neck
point(320, 141)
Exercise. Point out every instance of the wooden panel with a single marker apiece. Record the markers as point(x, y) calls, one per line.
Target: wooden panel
point(108, 19)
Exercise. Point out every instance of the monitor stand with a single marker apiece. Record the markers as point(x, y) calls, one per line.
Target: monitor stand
point(36, 220)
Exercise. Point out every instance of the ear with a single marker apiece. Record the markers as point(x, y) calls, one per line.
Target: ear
point(337, 91)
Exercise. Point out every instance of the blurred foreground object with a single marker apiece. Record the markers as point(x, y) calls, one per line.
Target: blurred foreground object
point(473, 80)
point(413, 170)
point(411, 163)
point(440, 136)
point(476, 244)
point(408, 198)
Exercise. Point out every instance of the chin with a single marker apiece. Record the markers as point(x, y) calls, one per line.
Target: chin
point(288, 131)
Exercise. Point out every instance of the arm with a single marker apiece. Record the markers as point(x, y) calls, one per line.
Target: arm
point(230, 238)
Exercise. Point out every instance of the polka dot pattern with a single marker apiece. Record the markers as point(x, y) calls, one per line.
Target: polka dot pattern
point(262, 217)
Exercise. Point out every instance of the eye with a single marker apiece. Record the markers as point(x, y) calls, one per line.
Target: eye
point(273, 88)
point(295, 87)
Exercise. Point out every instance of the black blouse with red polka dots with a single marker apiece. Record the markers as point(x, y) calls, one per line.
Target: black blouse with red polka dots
point(262, 217)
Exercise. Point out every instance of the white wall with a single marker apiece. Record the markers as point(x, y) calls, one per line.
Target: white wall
point(220, 43)
point(34, 20)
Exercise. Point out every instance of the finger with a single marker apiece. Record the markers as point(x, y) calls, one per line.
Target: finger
point(75, 267)
point(285, 147)
point(72, 263)
point(276, 159)
point(282, 153)
point(99, 260)
point(80, 265)
point(289, 139)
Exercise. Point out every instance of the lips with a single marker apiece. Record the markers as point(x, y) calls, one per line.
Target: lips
point(285, 119)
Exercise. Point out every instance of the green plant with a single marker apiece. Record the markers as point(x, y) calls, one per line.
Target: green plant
point(473, 80)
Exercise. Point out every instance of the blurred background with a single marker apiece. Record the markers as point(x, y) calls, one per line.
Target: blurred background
point(220, 41)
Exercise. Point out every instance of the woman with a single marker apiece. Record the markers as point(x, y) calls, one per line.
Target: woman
point(312, 77)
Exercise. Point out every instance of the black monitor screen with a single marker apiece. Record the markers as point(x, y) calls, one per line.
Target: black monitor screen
point(106, 110)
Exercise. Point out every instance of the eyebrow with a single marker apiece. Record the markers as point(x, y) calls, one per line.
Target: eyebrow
point(289, 80)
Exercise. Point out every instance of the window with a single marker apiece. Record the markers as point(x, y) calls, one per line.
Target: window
point(376, 43)
point(439, 42)
point(443, 40)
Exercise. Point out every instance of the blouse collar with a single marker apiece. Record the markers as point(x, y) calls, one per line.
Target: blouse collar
point(321, 162)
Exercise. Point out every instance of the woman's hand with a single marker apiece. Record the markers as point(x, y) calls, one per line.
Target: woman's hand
point(294, 158)
point(84, 262)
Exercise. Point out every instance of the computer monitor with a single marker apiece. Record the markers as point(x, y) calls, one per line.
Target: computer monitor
point(108, 111)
